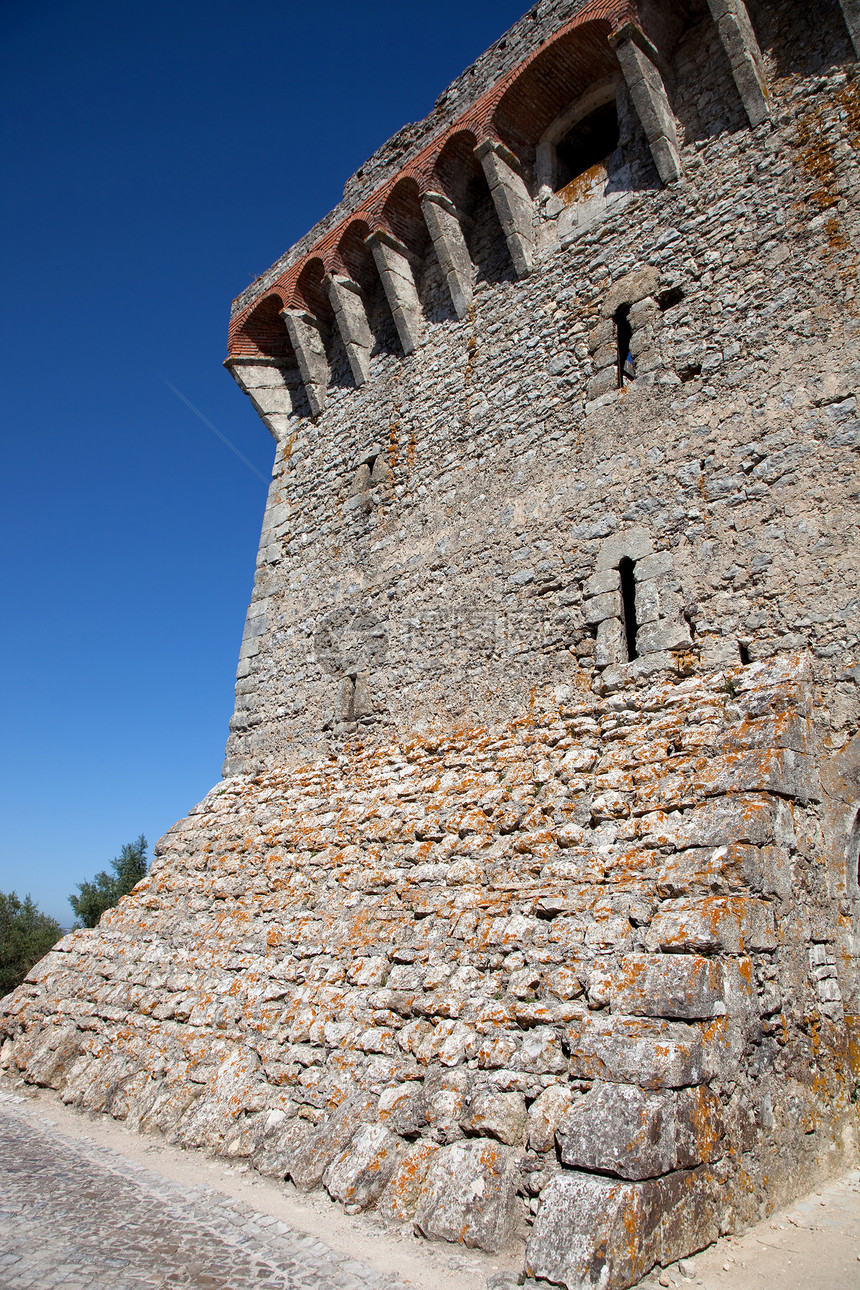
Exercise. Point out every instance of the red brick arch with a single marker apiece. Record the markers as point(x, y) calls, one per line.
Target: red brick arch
point(561, 72)
point(263, 333)
point(401, 215)
point(515, 111)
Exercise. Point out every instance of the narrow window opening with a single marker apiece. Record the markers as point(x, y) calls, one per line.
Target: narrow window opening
point(671, 297)
point(624, 335)
point(743, 650)
point(853, 859)
point(589, 142)
point(628, 606)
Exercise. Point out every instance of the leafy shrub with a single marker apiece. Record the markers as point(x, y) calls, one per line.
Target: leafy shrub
point(26, 935)
point(106, 889)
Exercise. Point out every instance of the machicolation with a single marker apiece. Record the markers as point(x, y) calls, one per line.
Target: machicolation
point(528, 908)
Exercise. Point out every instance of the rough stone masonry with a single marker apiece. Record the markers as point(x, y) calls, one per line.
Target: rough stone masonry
point(528, 905)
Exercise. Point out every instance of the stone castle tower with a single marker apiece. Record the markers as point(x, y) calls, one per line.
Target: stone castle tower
point(528, 908)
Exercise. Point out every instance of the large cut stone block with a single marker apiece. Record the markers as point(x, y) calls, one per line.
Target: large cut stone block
point(851, 14)
point(680, 987)
point(593, 1233)
point(648, 92)
point(642, 1050)
point(469, 1195)
point(774, 770)
point(395, 270)
point(714, 925)
point(512, 201)
point(328, 1140)
point(621, 1129)
point(443, 221)
point(744, 54)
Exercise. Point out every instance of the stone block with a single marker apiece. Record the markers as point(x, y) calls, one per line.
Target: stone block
point(400, 1198)
point(598, 608)
point(611, 643)
point(497, 1115)
point(851, 14)
point(593, 1232)
point(658, 565)
point(443, 221)
point(665, 634)
point(751, 819)
point(306, 337)
point(360, 1172)
point(545, 1114)
point(774, 770)
point(469, 1195)
point(600, 584)
point(512, 201)
point(648, 93)
point(605, 382)
point(395, 270)
point(717, 924)
point(744, 55)
point(642, 1050)
point(623, 1130)
point(328, 1139)
point(679, 987)
point(633, 543)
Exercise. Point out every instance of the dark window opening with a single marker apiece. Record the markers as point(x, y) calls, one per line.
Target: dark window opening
point(628, 606)
point(624, 335)
point(668, 299)
point(590, 141)
point(743, 650)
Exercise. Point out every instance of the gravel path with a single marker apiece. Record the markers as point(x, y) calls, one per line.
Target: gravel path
point(79, 1216)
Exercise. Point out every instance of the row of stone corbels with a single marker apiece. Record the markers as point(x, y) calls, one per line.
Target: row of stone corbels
point(395, 266)
point(643, 71)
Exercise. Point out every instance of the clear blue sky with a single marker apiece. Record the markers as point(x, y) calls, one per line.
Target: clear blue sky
point(156, 158)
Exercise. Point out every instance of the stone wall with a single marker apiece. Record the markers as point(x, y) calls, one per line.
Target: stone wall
point(528, 908)
point(429, 535)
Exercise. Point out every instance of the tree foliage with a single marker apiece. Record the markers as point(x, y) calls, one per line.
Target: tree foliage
point(26, 935)
point(105, 890)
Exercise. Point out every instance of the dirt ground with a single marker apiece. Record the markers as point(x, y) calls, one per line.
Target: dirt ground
point(813, 1244)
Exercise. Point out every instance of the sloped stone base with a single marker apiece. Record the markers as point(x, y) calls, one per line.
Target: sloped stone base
point(560, 979)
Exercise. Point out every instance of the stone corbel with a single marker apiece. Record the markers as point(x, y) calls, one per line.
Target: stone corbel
point(640, 65)
point(851, 14)
point(306, 336)
point(739, 41)
point(263, 382)
point(445, 224)
point(349, 311)
point(512, 201)
point(395, 270)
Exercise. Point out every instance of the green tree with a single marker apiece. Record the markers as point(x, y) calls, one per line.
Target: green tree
point(26, 935)
point(105, 890)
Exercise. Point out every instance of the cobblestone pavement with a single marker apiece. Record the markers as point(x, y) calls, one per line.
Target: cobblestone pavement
point(79, 1216)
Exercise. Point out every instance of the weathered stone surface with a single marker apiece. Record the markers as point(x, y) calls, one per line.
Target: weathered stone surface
point(359, 1174)
point(593, 1232)
point(469, 1195)
point(642, 1050)
point(329, 1139)
point(678, 986)
point(619, 1129)
point(497, 1115)
point(545, 1114)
